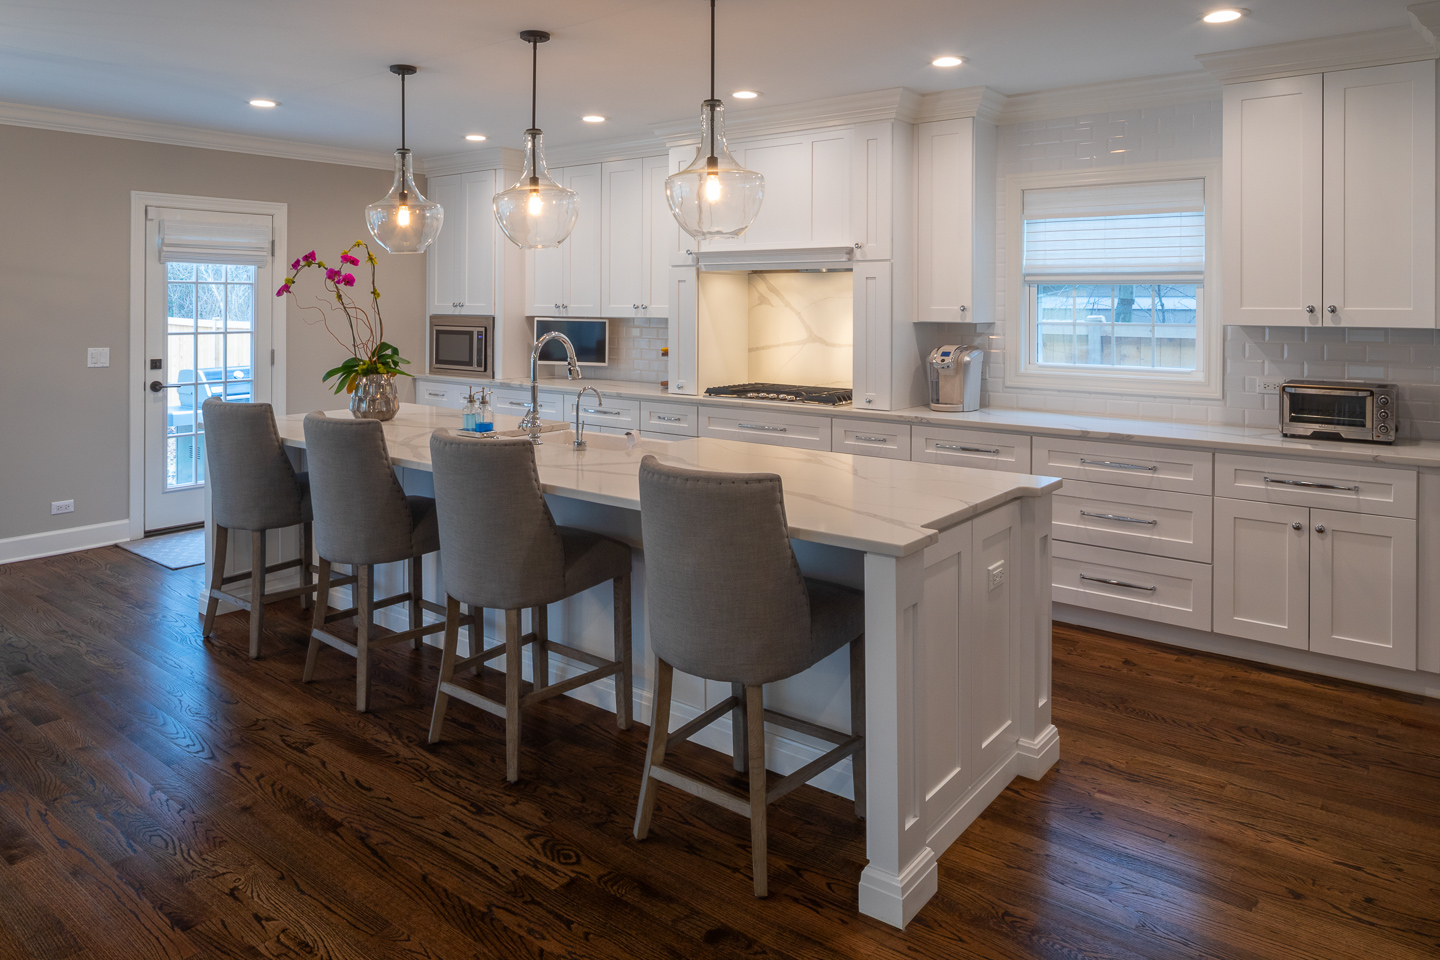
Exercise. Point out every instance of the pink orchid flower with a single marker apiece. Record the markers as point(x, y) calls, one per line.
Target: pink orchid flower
point(284, 289)
point(332, 274)
point(309, 257)
point(295, 265)
point(348, 279)
point(346, 258)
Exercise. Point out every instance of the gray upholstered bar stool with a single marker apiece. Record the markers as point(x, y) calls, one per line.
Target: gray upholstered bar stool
point(502, 549)
point(363, 518)
point(726, 601)
point(254, 488)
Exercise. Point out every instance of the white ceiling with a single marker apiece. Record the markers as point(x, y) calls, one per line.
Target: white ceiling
point(637, 62)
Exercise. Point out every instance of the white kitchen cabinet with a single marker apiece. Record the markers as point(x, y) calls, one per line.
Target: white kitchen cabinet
point(638, 238)
point(778, 427)
point(1133, 584)
point(984, 449)
point(871, 367)
point(1157, 522)
point(564, 281)
point(870, 438)
point(465, 260)
point(1329, 581)
point(955, 187)
point(443, 257)
point(1329, 199)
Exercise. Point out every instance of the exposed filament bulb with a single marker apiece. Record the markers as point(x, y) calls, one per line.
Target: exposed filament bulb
point(536, 205)
point(402, 216)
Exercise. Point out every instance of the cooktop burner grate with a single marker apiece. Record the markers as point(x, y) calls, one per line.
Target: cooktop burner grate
point(786, 392)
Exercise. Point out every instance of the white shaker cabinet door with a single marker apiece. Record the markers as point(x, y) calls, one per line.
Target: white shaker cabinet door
point(945, 155)
point(546, 273)
point(1262, 571)
point(1362, 587)
point(1380, 196)
point(473, 220)
point(1272, 202)
point(871, 366)
point(582, 265)
point(443, 259)
point(662, 236)
point(625, 280)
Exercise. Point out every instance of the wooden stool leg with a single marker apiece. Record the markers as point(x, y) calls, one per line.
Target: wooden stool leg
point(322, 608)
point(624, 693)
point(447, 666)
point(655, 753)
point(366, 587)
point(857, 719)
point(755, 722)
point(417, 586)
point(307, 560)
point(739, 732)
point(512, 695)
point(540, 652)
point(217, 576)
point(257, 590)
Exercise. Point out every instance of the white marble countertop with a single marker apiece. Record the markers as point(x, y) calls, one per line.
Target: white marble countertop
point(891, 507)
point(1208, 436)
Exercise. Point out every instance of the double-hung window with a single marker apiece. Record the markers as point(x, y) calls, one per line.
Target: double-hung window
point(1113, 286)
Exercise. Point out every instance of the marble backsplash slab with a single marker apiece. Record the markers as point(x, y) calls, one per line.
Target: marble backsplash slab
point(801, 327)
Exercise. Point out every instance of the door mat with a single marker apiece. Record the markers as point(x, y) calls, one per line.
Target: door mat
point(173, 550)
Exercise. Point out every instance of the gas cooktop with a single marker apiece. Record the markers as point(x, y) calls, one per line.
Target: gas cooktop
point(790, 393)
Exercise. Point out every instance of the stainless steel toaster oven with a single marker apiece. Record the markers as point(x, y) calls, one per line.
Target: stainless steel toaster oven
point(1339, 410)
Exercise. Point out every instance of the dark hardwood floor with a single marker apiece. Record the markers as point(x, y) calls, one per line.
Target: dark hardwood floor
point(164, 797)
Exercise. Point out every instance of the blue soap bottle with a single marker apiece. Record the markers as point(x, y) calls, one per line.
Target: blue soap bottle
point(470, 414)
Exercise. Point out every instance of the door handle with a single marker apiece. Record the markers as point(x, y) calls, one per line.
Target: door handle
point(1118, 465)
point(1116, 516)
point(1311, 483)
point(156, 386)
point(1117, 583)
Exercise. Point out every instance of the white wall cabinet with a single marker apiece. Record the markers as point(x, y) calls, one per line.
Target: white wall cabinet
point(564, 281)
point(464, 266)
point(955, 186)
point(1324, 580)
point(1329, 199)
point(637, 238)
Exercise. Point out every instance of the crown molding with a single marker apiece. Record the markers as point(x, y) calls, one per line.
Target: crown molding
point(1111, 97)
point(869, 107)
point(1425, 17)
point(480, 158)
point(179, 135)
point(1370, 49)
point(605, 151)
point(981, 102)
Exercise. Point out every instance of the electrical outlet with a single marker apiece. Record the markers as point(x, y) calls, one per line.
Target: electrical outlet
point(62, 506)
point(997, 574)
point(1269, 386)
point(97, 357)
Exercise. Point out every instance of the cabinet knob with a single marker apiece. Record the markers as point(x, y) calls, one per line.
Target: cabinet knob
point(1319, 528)
point(1297, 525)
point(1331, 309)
point(644, 306)
point(857, 246)
point(634, 306)
point(962, 308)
point(1309, 308)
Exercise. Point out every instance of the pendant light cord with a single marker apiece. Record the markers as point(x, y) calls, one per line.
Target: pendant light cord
point(534, 77)
point(712, 78)
point(402, 111)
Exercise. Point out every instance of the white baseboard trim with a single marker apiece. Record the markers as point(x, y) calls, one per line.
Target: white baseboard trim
point(48, 544)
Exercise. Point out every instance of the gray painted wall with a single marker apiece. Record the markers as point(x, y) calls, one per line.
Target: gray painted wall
point(65, 286)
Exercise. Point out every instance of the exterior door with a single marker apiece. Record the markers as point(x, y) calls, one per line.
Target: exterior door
point(207, 334)
point(1362, 589)
point(1262, 571)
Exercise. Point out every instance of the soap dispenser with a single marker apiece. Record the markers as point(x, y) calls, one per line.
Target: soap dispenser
point(484, 417)
point(469, 414)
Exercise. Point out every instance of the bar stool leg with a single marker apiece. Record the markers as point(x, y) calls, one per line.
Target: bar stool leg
point(417, 587)
point(755, 717)
point(655, 753)
point(857, 719)
point(217, 576)
point(322, 609)
point(447, 666)
point(257, 590)
point(512, 695)
point(739, 732)
point(307, 560)
point(366, 586)
point(624, 694)
point(540, 652)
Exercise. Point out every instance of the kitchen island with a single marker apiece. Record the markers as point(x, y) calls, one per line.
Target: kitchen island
point(954, 563)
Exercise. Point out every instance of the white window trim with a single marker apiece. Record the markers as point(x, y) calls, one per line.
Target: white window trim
point(139, 201)
point(1208, 380)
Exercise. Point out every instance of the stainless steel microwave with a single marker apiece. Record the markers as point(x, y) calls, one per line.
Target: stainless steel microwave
point(463, 345)
point(1339, 410)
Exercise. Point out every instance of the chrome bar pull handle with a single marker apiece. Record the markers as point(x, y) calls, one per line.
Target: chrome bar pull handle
point(1117, 583)
point(1116, 516)
point(994, 451)
point(1118, 465)
point(601, 411)
point(663, 418)
point(1311, 483)
point(869, 439)
point(760, 426)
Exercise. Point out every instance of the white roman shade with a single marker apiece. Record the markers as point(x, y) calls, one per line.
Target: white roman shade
point(1116, 230)
point(198, 241)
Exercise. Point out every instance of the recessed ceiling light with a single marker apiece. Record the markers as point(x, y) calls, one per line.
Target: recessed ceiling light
point(593, 118)
point(946, 62)
point(1223, 16)
point(264, 103)
point(475, 137)
point(744, 94)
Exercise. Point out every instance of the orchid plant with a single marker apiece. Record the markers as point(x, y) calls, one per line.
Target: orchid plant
point(369, 353)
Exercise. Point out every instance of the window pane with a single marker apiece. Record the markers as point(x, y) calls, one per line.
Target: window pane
point(211, 306)
point(1123, 325)
point(181, 358)
point(180, 305)
point(241, 309)
point(237, 353)
point(240, 272)
point(212, 271)
point(180, 271)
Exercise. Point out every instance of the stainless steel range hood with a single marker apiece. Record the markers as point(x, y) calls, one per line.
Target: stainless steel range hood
point(741, 260)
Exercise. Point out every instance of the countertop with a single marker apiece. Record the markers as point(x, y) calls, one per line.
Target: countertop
point(890, 507)
point(1207, 436)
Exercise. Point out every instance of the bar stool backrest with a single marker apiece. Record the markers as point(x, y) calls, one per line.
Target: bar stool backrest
point(723, 590)
point(361, 514)
point(498, 541)
point(252, 485)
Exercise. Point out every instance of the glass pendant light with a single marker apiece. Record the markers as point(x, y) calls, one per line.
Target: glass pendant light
point(714, 196)
point(404, 222)
point(536, 212)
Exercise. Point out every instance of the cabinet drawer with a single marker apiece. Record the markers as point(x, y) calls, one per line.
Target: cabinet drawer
point(765, 426)
point(514, 403)
point(1132, 584)
point(434, 393)
point(621, 414)
point(870, 438)
point(984, 449)
point(681, 419)
point(1355, 487)
point(1128, 464)
point(1157, 522)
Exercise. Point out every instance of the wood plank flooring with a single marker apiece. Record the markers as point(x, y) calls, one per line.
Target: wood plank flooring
point(164, 797)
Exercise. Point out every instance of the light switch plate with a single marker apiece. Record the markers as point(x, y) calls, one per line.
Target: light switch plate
point(97, 357)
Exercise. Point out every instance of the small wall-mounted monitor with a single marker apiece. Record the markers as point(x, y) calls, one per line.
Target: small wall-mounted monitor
point(587, 334)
